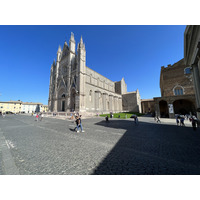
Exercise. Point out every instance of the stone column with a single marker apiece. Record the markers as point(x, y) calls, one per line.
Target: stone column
point(120, 104)
point(110, 103)
point(97, 100)
point(196, 80)
point(55, 108)
point(107, 103)
point(113, 103)
point(114, 106)
point(104, 102)
point(68, 103)
point(117, 104)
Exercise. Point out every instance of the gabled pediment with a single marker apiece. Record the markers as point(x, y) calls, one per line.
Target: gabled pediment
point(65, 51)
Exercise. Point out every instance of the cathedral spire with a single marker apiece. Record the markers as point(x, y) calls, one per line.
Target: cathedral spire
point(59, 53)
point(81, 41)
point(59, 49)
point(72, 43)
point(81, 45)
point(72, 37)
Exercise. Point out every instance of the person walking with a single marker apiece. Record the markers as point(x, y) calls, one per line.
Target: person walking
point(136, 120)
point(177, 121)
point(194, 122)
point(81, 123)
point(78, 124)
point(182, 121)
point(41, 116)
point(37, 116)
point(106, 118)
point(158, 119)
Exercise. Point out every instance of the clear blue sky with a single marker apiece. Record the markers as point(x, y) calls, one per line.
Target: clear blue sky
point(133, 52)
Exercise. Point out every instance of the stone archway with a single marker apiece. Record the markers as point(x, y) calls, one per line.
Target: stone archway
point(183, 106)
point(163, 106)
point(73, 100)
point(61, 100)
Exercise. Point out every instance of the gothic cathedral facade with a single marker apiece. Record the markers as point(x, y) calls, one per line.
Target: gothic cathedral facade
point(75, 87)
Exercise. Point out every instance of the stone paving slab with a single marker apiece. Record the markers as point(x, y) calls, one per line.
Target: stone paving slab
point(117, 147)
point(7, 166)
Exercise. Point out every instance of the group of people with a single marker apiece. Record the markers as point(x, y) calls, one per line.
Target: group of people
point(181, 118)
point(38, 116)
point(180, 121)
point(78, 123)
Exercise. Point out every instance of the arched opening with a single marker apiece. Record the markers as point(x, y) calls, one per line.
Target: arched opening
point(163, 109)
point(73, 102)
point(183, 107)
point(61, 100)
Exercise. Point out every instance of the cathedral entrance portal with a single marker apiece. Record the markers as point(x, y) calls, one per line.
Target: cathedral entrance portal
point(73, 102)
point(63, 106)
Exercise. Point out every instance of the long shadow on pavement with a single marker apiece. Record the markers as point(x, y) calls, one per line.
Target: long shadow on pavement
point(149, 149)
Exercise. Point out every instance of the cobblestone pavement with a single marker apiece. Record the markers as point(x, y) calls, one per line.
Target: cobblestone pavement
point(117, 147)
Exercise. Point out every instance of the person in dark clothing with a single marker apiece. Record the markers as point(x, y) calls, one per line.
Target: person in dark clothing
point(78, 124)
point(77, 121)
point(177, 121)
point(194, 122)
point(182, 121)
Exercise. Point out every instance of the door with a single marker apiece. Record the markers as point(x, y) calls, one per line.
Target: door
point(63, 105)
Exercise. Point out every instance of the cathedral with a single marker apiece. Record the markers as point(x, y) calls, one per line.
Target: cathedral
point(75, 87)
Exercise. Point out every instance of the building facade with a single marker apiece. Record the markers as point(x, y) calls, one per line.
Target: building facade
point(29, 107)
point(10, 106)
point(192, 58)
point(22, 107)
point(131, 102)
point(76, 87)
point(177, 91)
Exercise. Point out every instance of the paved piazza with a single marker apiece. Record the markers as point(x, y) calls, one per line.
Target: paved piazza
point(118, 147)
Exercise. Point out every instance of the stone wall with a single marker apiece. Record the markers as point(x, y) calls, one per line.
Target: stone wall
point(99, 81)
point(131, 102)
point(100, 100)
point(173, 77)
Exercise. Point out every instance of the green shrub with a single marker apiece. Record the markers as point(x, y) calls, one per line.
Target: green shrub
point(122, 115)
